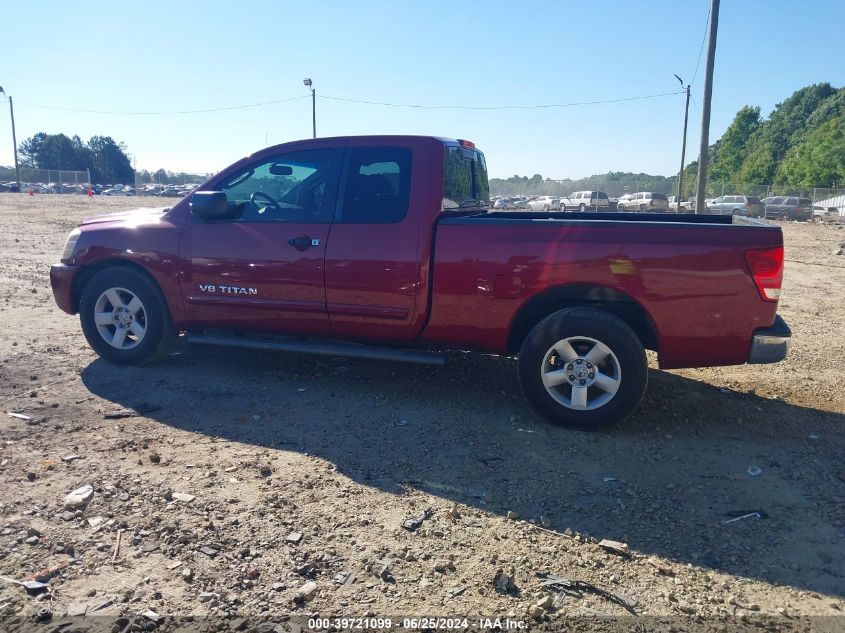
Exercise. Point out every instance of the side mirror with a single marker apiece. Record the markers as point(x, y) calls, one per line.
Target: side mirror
point(210, 205)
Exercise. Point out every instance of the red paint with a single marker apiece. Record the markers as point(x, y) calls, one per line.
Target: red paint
point(450, 283)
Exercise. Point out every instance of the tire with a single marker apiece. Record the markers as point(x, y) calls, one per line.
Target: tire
point(643, 208)
point(128, 301)
point(581, 208)
point(545, 207)
point(589, 333)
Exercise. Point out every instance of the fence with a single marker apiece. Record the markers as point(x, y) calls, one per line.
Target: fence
point(45, 176)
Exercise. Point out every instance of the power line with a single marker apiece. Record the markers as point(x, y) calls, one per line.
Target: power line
point(166, 112)
point(701, 48)
point(510, 107)
point(360, 101)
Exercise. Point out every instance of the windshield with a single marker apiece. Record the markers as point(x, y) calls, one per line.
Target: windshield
point(464, 179)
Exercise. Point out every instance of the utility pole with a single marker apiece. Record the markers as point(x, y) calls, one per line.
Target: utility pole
point(308, 83)
point(14, 140)
point(683, 150)
point(701, 188)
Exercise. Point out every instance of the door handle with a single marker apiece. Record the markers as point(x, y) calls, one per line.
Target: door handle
point(303, 242)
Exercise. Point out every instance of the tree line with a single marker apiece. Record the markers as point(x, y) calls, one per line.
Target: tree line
point(800, 144)
point(105, 159)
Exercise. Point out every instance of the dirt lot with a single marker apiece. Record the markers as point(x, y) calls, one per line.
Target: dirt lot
point(232, 479)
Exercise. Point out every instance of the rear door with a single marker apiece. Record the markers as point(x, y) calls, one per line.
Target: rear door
point(263, 267)
point(373, 268)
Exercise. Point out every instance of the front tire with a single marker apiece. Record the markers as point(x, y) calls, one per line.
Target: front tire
point(583, 368)
point(124, 317)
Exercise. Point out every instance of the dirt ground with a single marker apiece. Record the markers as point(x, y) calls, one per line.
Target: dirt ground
point(233, 479)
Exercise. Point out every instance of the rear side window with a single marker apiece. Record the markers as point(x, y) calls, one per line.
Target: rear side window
point(805, 202)
point(792, 201)
point(659, 196)
point(602, 195)
point(378, 186)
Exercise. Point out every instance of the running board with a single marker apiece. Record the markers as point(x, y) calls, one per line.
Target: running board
point(323, 348)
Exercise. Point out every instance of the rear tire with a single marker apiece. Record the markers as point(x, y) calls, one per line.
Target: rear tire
point(125, 318)
point(643, 208)
point(581, 208)
point(583, 368)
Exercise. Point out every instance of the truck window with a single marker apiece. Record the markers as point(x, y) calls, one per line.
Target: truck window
point(286, 188)
point(378, 186)
point(464, 179)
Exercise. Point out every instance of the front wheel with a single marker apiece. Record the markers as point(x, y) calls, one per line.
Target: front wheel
point(643, 208)
point(583, 368)
point(124, 317)
point(581, 208)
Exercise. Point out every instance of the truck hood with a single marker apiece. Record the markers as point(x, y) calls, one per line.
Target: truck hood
point(131, 216)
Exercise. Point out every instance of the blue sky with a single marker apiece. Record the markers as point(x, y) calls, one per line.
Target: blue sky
point(165, 56)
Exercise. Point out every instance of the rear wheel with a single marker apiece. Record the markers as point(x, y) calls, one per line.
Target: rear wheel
point(124, 317)
point(643, 208)
point(583, 368)
point(581, 207)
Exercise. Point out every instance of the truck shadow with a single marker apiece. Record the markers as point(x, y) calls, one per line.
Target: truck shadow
point(665, 481)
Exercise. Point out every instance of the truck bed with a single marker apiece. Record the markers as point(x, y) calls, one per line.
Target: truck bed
point(686, 273)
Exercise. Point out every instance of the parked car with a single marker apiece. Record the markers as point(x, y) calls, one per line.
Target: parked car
point(736, 205)
point(645, 201)
point(588, 200)
point(788, 208)
point(114, 192)
point(685, 205)
point(623, 200)
point(544, 203)
point(307, 245)
point(825, 214)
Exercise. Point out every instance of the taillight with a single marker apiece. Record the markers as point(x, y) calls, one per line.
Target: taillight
point(766, 266)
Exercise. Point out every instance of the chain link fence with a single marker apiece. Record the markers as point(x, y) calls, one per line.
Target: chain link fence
point(47, 180)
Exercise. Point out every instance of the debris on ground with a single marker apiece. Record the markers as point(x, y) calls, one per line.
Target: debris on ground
point(504, 583)
point(579, 587)
point(615, 547)
point(415, 522)
point(79, 498)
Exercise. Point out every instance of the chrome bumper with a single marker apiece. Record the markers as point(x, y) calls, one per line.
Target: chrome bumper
point(771, 344)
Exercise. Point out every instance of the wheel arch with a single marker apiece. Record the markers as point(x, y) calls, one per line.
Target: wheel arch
point(597, 296)
point(88, 271)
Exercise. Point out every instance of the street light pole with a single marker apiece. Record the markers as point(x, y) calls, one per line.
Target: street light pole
point(14, 140)
point(308, 83)
point(701, 187)
point(683, 149)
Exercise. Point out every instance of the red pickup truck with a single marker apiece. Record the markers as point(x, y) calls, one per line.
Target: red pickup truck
point(384, 247)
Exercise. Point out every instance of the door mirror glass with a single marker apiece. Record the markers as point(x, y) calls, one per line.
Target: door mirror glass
point(210, 205)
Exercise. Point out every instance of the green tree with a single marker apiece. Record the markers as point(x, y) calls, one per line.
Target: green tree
point(732, 148)
point(819, 161)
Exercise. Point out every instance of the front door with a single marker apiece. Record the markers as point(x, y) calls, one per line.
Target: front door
point(263, 267)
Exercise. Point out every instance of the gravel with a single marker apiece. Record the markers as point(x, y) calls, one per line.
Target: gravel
point(512, 496)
